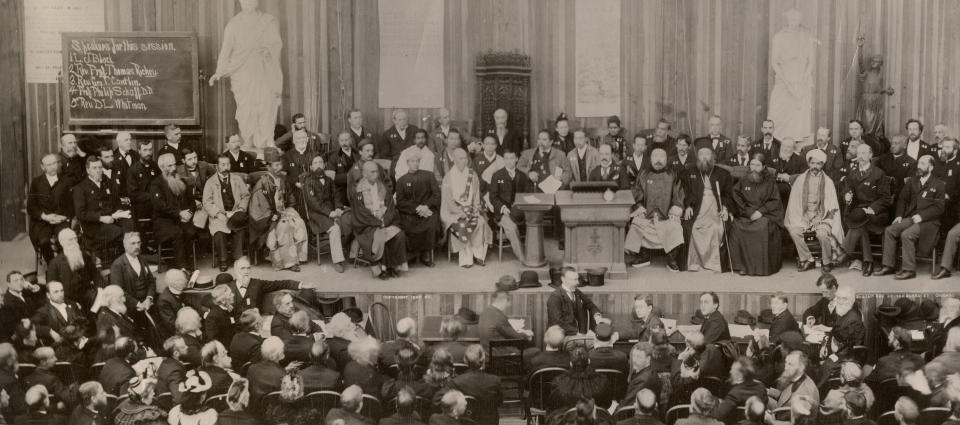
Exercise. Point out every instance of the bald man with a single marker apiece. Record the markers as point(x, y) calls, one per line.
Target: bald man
point(48, 206)
point(418, 202)
point(462, 212)
point(375, 224)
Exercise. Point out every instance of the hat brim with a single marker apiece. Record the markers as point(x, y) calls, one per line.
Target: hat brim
point(889, 311)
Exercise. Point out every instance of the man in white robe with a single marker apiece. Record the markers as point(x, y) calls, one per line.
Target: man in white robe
point(813, 207)
point(462, 212)
point(708, 194)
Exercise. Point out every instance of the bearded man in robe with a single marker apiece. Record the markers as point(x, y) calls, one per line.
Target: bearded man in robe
point(755, 230)
point(813, 207)
point(274, 222)
point(173, 208)
point(462, 212)
point(655, 219)
point(708, 194)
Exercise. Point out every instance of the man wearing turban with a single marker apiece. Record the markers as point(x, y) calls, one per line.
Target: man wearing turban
point(813, 207)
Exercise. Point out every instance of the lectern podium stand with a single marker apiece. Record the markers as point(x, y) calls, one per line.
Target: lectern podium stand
point(594, 229)
point(534, 206)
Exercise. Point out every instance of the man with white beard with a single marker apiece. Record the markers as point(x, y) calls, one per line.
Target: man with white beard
point(849, 322)
point(793, 383)
point(76, 269)
point(173, 207)
point(949, 318)
point(112, 318)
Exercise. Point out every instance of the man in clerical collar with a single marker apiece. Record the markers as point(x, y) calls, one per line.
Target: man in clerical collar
point(422, 151)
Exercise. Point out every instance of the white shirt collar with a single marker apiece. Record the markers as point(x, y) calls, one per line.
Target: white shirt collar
point(582, 151)
point(51, 179)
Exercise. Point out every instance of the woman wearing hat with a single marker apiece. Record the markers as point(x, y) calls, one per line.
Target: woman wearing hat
point(138, 408)
point(191, 410)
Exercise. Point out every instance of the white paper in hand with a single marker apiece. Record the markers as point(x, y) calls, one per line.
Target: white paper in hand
point(517, 324)
point(740, 331)
point(550, 185)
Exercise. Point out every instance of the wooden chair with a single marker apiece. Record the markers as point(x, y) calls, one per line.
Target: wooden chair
point(676, 413)
point(616, 380)
point(26, 369)
point(539, 388)
point(933, 416)
point(217, 402)
point(323, 400)
point(509, 366)
point(371, 407)
point(381, 322)
point(712, 383)
point(624, 413)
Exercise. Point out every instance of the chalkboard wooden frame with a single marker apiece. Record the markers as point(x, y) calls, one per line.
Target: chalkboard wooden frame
point(195, 68)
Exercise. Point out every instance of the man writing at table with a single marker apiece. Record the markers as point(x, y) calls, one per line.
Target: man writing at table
point(494, 324)
point(568, 308)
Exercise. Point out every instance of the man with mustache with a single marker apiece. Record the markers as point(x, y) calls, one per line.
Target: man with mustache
point(768, 145)
point(76, 269)
point(755, 230)
point(792, 384)
point(655, 219)
point(897, 164)
point(940, 133)
point(787, 165)
point(867, 199)
point(708, 194)
point(421, 150)
point(813, 207)
point(98, 209)
point(721, 145)
point(615, 137)
point(661, 137)
point(917, 220)
point(340, 162)
point(608, 170)
point(48, 206)
point(680, 159)
point(916, 146)
point(947, 169)
point(855, 132)
point(173, 207)
point(834, 158)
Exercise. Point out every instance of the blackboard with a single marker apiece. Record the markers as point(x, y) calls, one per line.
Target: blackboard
point(132, 78)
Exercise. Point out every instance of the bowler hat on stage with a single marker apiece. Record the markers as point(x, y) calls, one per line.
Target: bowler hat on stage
point(206, 283)
point(356, 315)
point(901, 307)
point(507, 283)
point(467, 316)
point(529, 279)
point(697, 318)
point(556, 276)
point(224, 279)
point(929, 310)
point(596, 275)
point(744, 318)
point(766, 316)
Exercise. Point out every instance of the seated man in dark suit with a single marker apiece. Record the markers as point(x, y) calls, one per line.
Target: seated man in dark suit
point(849, 320)
point(480, 385)
point(568, 308)
point(245, 345)
point(118, 370)
point(603, 355)
point(645, 318)
point(265, 375)
point(280, 325)
point(48, 202)
point(131, 273)
point(406, 338)
point(642, 376)
point(45, 359)
point(38, 409)
point(406, 413)
point(351, 402)
point(250, 291)
point(889, 366)
point(169, 301)
point(551, 356)
point(318, 376)
point(89, 411)
point(56, 314)
point(96, 204)
point(172, 371)
point(19, 302)
point(783, 320)
point(494, 325)
point(216, 363)
point(297, 346)
point(714, 327)
point(218, 321)
point(76, 269)
point(743, 386)
point(824, 311)
point(645, 404)
point(113, 320)
point(708, 356)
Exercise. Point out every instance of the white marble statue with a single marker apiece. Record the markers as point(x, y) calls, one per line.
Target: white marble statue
point(791, 100)
point(250, 56)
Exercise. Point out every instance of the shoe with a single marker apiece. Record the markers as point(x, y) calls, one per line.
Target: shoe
point(672, 266)
point(884, 271)
point(428, 263)
point(338, 267)
point(806, 266)
point(384, 275)
point(479, 262)
point(640, 263)
point(393, 272)
point(467, 266)
point(856, 265)
point(742, 273)
point(295, 268)
point(905, 274)
point(941, 274)
point(867, 269)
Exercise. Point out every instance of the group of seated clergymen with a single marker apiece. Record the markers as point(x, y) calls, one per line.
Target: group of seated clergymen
point(167, 362)
point(400, 193)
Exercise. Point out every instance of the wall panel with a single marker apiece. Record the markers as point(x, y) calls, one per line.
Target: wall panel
point(682, 59)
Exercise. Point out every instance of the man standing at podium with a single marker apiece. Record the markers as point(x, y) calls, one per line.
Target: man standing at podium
point(655, 220)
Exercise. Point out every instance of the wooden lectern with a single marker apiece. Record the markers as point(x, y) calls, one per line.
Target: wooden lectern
point(533, 216)
point(595, 229)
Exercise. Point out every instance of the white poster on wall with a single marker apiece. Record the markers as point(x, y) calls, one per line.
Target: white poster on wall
point(44, 20)
point(597, 58)
point(411, 53)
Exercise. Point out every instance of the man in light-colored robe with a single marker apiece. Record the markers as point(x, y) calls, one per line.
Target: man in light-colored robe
point(462, 212)
point(420, 148)
point(707, 198)
point(813, 206)
point(250, 56)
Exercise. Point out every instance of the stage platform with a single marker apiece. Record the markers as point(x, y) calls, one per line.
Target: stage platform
point(444, 289)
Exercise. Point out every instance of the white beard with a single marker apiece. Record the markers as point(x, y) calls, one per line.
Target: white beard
point(842, 310)
point(74, 257)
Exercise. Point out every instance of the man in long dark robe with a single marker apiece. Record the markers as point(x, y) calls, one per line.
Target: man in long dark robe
point(655, 219)
point(418, 202)
point(375, 221)
point(866, 196)
point(755, 231)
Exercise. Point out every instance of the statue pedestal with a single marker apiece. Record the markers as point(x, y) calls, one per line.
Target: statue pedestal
point(594, 230)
